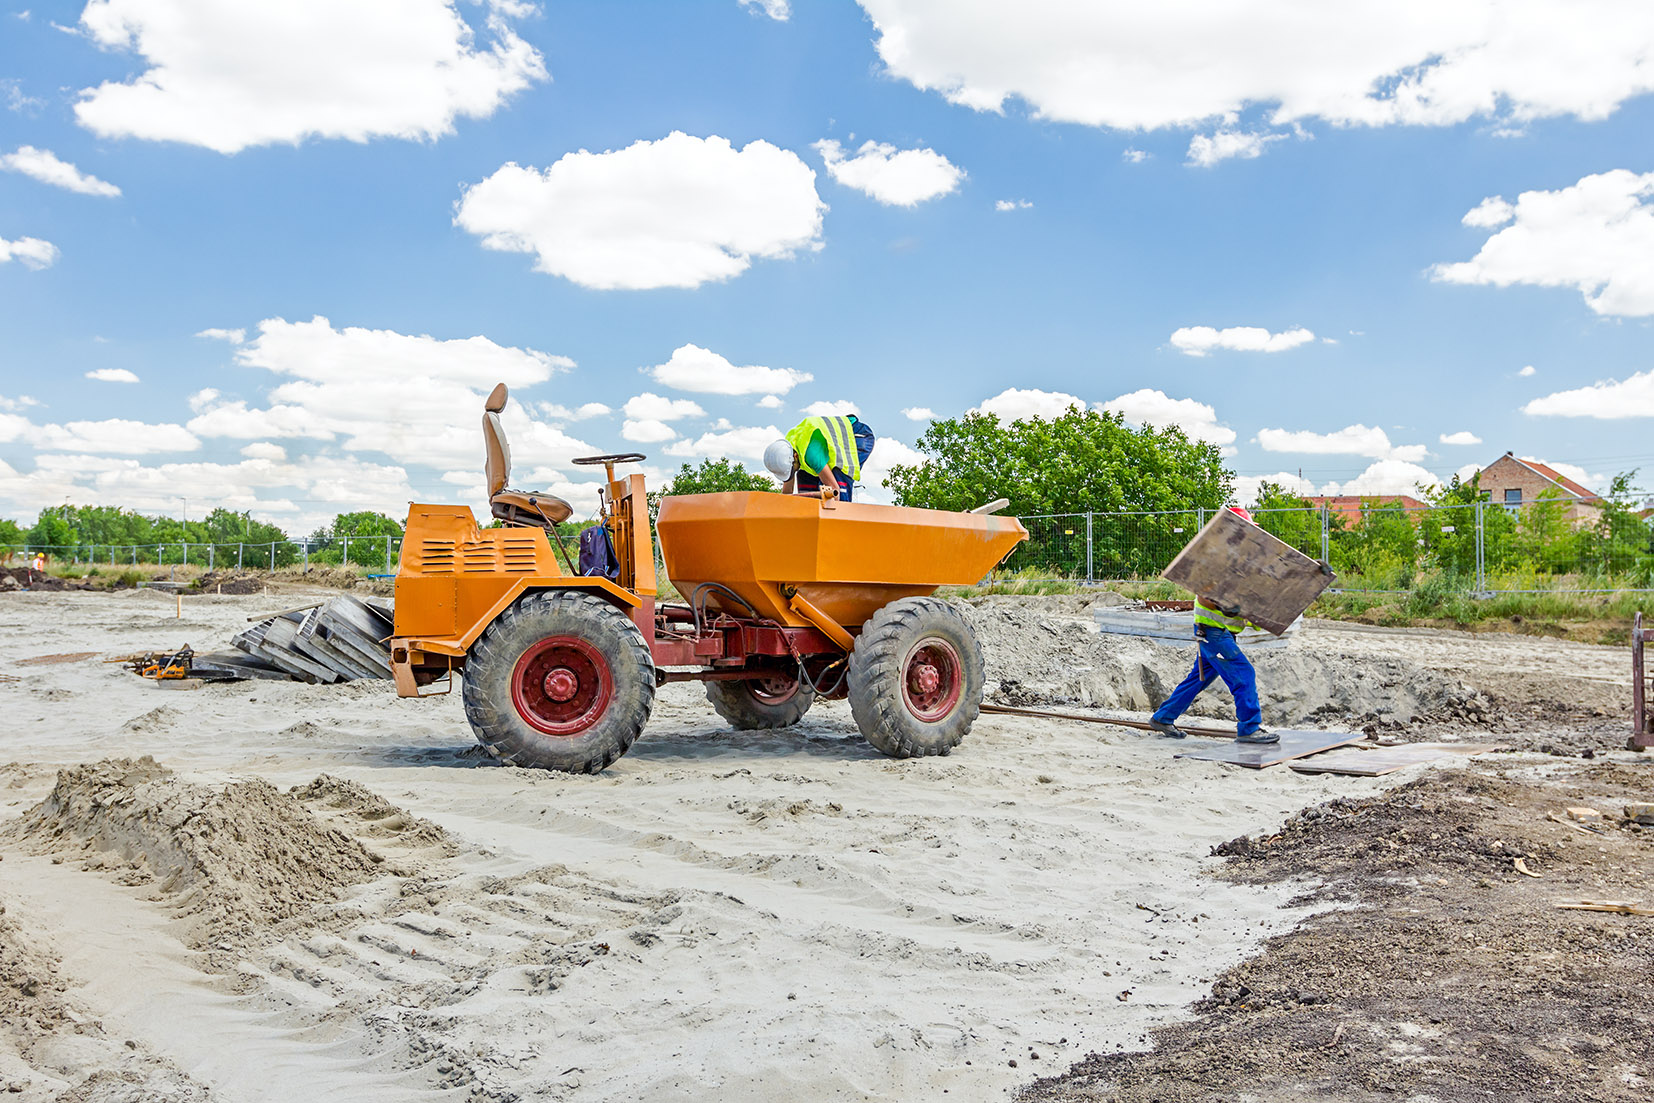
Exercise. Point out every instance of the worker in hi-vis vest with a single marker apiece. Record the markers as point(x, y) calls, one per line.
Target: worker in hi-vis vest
point(1218, 656)
point(821, 451)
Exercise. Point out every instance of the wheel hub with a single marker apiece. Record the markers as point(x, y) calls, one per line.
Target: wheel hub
point(933, 680)
point(562, 684)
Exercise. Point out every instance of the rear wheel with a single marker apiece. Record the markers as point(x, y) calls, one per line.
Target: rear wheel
point(562, 680)
point(777, 702)
point(916, 678)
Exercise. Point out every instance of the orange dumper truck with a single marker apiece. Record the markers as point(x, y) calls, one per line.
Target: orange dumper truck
point(785, 599)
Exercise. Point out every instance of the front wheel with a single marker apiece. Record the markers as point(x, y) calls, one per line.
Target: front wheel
point(753, 705)
point(916, 678)
point(562, 680)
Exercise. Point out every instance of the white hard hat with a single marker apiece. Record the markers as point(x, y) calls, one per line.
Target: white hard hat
point(778, 457)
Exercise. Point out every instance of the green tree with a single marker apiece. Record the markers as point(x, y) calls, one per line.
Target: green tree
point(54, 529)
point(1619, 540)
point(1383, 544)
point(1082, 461)
point(1292, 518)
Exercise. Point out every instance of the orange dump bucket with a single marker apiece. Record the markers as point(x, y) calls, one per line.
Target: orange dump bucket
point(848, 559)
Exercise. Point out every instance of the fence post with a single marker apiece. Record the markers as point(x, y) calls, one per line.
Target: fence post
point(305, 544)
point(1481, 553)
point(1088, 569)
point(1326, 554)
point(344, 554)
point(186, 558)
point(240, 554)
point(1200, 521)
point(272, 555)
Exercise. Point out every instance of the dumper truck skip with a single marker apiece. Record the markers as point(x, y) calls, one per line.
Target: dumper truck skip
point(786, 599)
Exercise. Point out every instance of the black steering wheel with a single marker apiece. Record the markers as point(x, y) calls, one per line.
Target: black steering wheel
point(619, 457)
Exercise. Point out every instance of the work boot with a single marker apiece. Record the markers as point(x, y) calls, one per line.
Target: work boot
point(1170, 731)
point(1262, 735)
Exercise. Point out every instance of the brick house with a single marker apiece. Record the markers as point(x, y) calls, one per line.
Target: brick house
point(1514, 483)
point(1350, 506)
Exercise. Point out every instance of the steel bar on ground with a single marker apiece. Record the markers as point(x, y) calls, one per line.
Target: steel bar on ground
point(1140, 725)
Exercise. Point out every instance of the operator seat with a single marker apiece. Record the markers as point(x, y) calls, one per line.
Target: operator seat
point(514, 507)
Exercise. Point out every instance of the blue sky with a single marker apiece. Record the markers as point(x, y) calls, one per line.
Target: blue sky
point(1325, 237)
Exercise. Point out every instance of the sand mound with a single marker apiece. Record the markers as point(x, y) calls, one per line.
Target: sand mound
point(1039, 652)
point(304, 729)
point(156, 719)
point(31, 995)
point(372, 813)
point(238, 857)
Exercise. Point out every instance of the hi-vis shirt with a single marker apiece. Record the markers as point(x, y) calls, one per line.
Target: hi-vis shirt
point(1214, 617)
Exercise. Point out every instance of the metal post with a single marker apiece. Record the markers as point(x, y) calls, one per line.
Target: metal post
point(344, 556)
point(388, 551)
point(1089, 574)
point(240, 555)
point(1481, 553)
point(272, 555)
point(211, 548)
point(305, 544)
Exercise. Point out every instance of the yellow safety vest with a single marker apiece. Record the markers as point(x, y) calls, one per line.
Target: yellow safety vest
point(840, 435)
point(1217, 618)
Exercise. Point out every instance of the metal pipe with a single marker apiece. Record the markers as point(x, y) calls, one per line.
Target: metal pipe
point(828, 627)
point(1140, 725)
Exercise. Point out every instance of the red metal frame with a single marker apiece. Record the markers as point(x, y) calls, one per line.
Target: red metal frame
point(726, 648)
point(1641, 735)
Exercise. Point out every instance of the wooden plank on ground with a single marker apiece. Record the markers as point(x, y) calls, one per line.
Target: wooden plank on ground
point(1240, 566)
point(1293, 744)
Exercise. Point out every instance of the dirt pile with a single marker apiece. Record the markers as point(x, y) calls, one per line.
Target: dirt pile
point(368, 812)
point(1453, 976)
point(1050, 652)
point(238, 857)
point(231, 582)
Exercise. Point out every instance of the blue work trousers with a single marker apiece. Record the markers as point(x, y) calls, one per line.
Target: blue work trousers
point(1219, 657)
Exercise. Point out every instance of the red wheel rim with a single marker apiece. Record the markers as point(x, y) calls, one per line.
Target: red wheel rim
point(933, 679)
point(561, 685)
point(773, 691)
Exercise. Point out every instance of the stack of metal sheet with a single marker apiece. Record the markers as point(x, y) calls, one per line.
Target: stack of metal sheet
point(339, 640)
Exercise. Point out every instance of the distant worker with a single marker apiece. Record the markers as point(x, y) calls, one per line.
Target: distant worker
point(821, 449)
point(1218, 656)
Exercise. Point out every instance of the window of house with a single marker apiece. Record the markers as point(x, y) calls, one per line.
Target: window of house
point(1513, 498)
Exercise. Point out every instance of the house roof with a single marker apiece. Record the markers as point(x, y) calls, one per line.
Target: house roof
point(1556, 477)
point(1350, 506)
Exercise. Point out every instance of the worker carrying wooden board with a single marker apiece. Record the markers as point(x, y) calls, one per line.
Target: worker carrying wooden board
point(1239, 575)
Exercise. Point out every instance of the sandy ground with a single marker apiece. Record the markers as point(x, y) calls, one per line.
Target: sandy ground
point(719, 915)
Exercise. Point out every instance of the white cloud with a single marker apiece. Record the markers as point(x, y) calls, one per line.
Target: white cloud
point(1247, 486)
point(233, 336)
point(1156, 408)
point(743, 442)
point(887, 453)
point(840, 408)
point(652, 406)
point(1596, 236)
point(408, 397)
point(1016, 403)
point(770, 402)
point(1135, 156)
point(1207, 150)
point(1466, 470)
point(1527, 371)
point(112, 436)
point(1571, 471)
point(230, 77)
point(1490, 212)
point(1390, 476)
point(778, 10)
point(677, 212)
point(558, 412)
point(919, 413)
point(264, 450)
point(112, 375)
point(44, 165)
point(896, 178)
point(1611, 399)
point(30, 252)
point(1181, 63)
point(692, 368)
point(647, 430)
point(1201, 340)
point(1352, 440)
point(1012, 205)
point(1463, 436)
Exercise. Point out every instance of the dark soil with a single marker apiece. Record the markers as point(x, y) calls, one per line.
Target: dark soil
point(1447, 975)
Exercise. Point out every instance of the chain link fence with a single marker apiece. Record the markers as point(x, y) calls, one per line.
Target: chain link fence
point(1478, 548)
point(372, 552)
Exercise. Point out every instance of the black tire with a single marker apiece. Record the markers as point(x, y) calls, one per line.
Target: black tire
point(778, 702)
point(546, 645)
point(901, 709)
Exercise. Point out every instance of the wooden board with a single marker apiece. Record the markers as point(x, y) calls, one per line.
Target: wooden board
point(1376, 761)
point(1293, 744)
point(1240, 566)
